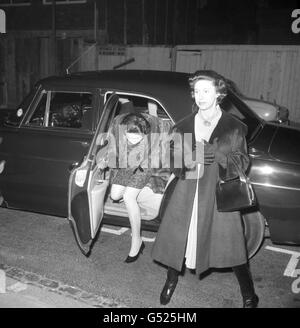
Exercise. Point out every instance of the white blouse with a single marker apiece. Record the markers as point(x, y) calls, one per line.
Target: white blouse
point(202, 132)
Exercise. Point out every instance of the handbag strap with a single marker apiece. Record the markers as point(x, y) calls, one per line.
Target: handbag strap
point(243, 177)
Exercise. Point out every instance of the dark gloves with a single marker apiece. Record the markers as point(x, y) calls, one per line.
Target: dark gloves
point(206, 153)
point(212, 154)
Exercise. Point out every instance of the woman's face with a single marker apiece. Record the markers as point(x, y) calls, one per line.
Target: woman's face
point(134, 138)
point(205, 94)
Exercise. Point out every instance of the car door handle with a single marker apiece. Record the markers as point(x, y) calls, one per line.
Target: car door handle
point(73, 166)
point(82, 143)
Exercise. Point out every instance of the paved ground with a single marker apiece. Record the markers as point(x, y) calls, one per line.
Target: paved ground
point(25, 295)
point(40, 251)
point(23, 289)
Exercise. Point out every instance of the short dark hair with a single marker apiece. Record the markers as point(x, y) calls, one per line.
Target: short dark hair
point(136, 123)
point(218, 81)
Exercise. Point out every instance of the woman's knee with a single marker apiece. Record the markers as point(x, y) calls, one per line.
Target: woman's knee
point(130, 195)
point(116, 192)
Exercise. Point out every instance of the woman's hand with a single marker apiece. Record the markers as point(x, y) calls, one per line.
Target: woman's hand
point(102, 156)
point(102, 164)
point(211, 153)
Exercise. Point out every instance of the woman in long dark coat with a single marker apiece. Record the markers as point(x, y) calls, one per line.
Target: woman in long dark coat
point(192, 230)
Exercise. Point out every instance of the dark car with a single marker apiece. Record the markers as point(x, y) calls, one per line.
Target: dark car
point(48, 152)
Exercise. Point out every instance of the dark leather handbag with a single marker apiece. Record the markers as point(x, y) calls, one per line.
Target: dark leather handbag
point(235, 194)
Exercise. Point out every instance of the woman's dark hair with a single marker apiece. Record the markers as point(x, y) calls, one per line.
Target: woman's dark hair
point(136, 123)
point(218, 80)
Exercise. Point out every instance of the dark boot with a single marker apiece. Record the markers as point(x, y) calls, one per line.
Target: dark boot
point(169, 287)
point(250, 299)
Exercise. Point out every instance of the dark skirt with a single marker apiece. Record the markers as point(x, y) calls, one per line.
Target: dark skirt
point(130, 177)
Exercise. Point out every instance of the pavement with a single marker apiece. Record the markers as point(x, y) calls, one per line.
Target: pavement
point(21, 295)
point(40, 250)
point(22, 289)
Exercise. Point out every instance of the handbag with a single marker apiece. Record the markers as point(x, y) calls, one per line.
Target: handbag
point(235, 194)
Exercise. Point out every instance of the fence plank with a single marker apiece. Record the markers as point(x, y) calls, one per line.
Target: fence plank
point(268, 72)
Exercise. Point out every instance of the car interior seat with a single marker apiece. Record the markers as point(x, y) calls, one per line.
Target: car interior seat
point(126, 108)
point(87, 117)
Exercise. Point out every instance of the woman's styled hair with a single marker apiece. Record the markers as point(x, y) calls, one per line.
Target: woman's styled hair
point(136, 123)
point(218, 81)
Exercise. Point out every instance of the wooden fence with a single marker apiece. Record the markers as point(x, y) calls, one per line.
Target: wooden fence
point(266, 72)
point(25, 60)
point(28, 57)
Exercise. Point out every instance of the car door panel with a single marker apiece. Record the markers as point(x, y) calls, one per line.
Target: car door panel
point(37, 168)
point(276, 185)
point(39, 155)
point(88, 186)
point(275, 175)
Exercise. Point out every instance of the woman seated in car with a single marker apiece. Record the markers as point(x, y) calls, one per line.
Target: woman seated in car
point(133, 154)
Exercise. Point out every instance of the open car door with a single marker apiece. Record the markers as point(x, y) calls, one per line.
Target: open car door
point(87, 186)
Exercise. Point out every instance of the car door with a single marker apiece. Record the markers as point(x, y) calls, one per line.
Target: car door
point(88, 185)
point(40, 152)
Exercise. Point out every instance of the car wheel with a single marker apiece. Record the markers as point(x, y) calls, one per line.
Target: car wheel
point(254, 230)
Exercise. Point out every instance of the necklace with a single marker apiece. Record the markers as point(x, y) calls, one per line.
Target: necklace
point(205, 121)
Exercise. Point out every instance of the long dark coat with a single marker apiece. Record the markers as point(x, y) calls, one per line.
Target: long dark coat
point(220, 238)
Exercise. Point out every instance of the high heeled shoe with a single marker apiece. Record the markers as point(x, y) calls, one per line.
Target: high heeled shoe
point(130, 259)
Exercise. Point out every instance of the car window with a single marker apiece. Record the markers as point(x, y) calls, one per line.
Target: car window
point(57, 109)
point(110, 113)
point(16, 115)
point(37, 118)
point(235, 106)
point(106, 119)
point(23, 107)
point(285, 145)
point(229, 107)
point(141, 104)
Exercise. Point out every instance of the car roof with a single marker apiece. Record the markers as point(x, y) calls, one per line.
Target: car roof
point(170, 88)
point(118, 77)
